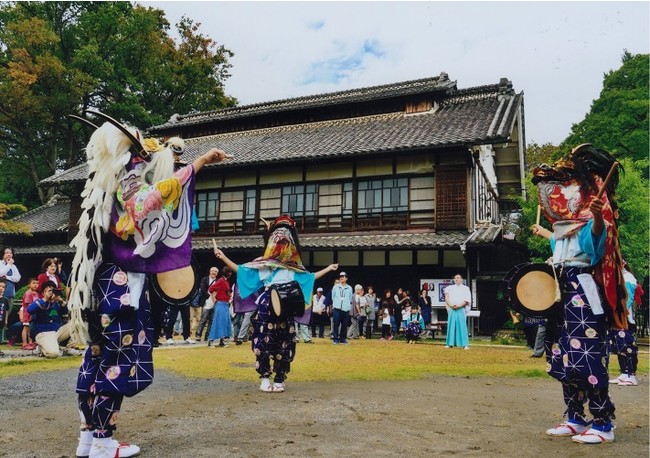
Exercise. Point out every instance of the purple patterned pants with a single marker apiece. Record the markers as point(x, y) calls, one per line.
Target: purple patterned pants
point(119, 359)
point(272, 341)
point(576, 352)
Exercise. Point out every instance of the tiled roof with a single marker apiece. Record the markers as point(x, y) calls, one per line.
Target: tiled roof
point(73, 174)
point(350, 241)
point(436, 84)
point(471, 116)
point(58, 248)
point(452, 124)
point(484, 235)
point(380, 240)
point(51, 217)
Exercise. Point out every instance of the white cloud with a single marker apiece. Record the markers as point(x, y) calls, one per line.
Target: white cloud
point(556, 52)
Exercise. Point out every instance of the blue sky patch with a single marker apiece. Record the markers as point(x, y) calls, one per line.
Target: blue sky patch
point(338, 68)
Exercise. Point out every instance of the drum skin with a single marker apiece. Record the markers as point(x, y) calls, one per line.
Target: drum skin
point(531, 289)
point(287, 300)
point(177, 287)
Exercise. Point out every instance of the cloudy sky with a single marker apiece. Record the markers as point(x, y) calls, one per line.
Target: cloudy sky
point(556, 52)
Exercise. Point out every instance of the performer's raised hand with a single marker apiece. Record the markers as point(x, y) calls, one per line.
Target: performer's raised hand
point(214, 156)
point(222, 256)
point(330, 268)
point(596, 208)
point(541, 231)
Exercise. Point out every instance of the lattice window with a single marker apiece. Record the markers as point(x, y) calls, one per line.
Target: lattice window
point(300, 200)
point(451, 198)
point(207, 205)
point(377, 197)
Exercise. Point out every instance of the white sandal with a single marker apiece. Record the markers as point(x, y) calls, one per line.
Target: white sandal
point(595, 436)
point(265, 386)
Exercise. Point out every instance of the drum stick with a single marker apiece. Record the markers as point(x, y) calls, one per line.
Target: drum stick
point(539, 214)
point(214, 245)
point(606, 182)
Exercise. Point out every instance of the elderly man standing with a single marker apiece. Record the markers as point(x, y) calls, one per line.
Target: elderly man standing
point(341, 306)
point(206, 312)
point(319, 313)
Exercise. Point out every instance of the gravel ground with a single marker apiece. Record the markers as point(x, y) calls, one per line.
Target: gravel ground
point(180, 417)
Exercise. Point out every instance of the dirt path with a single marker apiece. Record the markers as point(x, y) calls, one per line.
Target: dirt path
point(178, 417)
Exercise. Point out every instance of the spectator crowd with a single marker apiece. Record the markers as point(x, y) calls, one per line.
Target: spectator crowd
point(38, 319)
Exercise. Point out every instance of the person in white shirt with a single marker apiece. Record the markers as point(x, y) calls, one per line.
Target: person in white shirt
point(10, 274)
point(207, 313)
point(457, 297)
point(385, 324)
point(319, 313)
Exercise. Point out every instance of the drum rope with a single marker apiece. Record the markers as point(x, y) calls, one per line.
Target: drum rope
point(558, 293)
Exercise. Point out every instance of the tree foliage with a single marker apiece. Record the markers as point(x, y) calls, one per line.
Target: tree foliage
point(618, 119)
point(539, 154)
point(617, 122)
point(520, 225)
point(60, 58)
point(7, 212)
point(634, 215)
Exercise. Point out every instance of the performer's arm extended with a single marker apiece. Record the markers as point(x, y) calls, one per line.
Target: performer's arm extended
point(330, 268)
point(213, 156)
point(226, 260)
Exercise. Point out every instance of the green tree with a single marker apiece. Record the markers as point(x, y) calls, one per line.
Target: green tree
point(539, 154)
point(634, 215)
point(60, 58)
point(618, 119)
point(7, 213)
point(521, 222)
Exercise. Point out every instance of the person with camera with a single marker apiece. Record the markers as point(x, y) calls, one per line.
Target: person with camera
point(47, 320)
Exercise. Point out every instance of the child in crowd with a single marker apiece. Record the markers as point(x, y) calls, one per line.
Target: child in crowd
point(385, 324)
point(406, 310)
point(25, 318)
point(415, 326)
point(4, 311)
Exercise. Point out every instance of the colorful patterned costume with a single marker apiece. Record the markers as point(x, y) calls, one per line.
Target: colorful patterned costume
point(130, 228)
point(273, 335)
point(588, 270)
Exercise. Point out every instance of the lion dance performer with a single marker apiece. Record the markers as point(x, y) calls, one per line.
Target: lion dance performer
point(622, 342)
point(279, 267)
point(136, 221)
point(588, 267)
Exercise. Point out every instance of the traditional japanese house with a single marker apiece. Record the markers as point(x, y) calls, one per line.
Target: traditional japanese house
point(402, 184)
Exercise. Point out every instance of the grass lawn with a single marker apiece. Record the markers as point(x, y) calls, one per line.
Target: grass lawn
point(323, 361)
